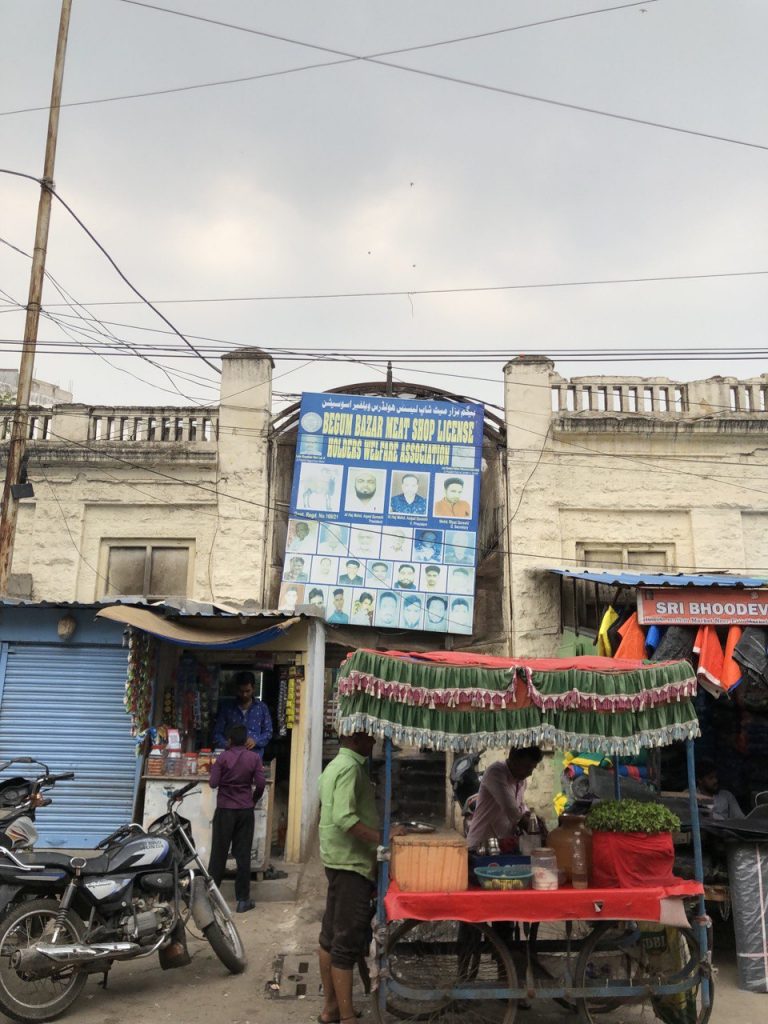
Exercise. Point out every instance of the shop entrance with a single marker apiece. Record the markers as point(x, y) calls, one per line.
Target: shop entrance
point(195, 689)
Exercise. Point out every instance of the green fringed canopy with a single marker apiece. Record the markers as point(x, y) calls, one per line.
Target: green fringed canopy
point(454, 701)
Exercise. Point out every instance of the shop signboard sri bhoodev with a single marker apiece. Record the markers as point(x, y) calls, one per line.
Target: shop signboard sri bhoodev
point(702, 606)
point(382, 529)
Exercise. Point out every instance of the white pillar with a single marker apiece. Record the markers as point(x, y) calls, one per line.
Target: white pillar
point(237, 562)
point(312, 733)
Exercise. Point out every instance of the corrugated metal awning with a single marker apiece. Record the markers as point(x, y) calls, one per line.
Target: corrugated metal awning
point(183, 635)
point(659, 579)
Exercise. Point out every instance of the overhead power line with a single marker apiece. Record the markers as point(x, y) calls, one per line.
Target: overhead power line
point(100, 247)
point(407, 49)
point(345, 58)
point(307, 67)
point(377, 59)
point(411, 292)
point(111, 345)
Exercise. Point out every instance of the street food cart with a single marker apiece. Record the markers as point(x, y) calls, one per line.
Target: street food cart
point(613, 954)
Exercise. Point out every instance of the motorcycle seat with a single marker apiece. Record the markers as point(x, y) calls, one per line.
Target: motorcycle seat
point(43, 858)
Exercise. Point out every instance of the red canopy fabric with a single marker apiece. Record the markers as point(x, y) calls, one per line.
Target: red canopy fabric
point(650, 903)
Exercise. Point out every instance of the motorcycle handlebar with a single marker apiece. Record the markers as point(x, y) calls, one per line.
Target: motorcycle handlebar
point(181, 793)
point(62, 777)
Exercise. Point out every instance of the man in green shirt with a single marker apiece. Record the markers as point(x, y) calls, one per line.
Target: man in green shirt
point(349, 835)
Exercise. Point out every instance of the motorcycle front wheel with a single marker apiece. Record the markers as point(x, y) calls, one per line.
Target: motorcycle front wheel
point(222, 934)
point(24, 997)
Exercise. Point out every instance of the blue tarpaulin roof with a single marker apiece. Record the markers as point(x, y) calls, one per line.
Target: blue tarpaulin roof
point(660, 579)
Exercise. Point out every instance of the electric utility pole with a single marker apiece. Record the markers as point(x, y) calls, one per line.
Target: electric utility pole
point(18, 441)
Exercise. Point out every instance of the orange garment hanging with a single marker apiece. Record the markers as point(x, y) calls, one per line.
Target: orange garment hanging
point(632, 640)
point(710, 671)
point(731, 669)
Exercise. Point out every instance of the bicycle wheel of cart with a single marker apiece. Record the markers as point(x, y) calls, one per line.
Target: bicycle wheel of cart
point(641, 956)
point(554, 949)
point(436, 956)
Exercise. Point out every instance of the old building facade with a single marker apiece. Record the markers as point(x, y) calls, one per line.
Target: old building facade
point(602, 471)
point(192, 502)
point(643, 473)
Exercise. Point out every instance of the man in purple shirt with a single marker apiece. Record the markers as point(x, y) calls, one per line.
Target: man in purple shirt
point(238, 774)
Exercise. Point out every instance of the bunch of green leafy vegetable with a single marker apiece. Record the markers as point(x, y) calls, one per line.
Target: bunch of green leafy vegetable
point(631, 816)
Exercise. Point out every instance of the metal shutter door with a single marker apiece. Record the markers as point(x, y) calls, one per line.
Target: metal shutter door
point(64, 705)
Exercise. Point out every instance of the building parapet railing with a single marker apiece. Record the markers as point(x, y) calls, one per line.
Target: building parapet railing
point(39, 422)
point(620, 396)
point(141, 425)
point(748, 397)
point(659, 396)
point(121, 424)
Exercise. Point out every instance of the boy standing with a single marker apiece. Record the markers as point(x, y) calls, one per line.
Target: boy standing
point(238, 774)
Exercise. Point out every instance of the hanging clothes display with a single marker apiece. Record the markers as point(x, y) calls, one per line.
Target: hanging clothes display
point(604, 648)
point(653, 638)
point(632, 640)
point(677, 643)
point(731, 668)
point(751, 654)
point(710, 652)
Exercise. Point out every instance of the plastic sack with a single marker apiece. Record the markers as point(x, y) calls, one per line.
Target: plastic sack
point(632, 860)
point(748, 877)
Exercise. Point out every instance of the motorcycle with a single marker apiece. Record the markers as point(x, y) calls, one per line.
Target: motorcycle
point(65, 917)
point(465, 783)
point(19, 799)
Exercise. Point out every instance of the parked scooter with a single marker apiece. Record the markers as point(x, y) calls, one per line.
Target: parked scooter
point(65, 917)
point(465, 782)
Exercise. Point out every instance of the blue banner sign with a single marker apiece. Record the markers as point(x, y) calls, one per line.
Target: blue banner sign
point(382, 529)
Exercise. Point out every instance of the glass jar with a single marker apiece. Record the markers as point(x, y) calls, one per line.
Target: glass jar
point(156, 761)
point(544, 867)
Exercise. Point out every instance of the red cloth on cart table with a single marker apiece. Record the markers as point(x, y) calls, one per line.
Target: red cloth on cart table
point(649, 903)
point(632, 859)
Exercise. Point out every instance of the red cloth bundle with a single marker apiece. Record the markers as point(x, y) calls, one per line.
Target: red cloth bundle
point(632, 859)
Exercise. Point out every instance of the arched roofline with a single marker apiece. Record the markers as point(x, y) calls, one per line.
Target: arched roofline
point(494, 428)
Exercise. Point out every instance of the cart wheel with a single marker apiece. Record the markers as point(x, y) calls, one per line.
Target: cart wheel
point(437, 956)
point(554, 953)
point(642, 956)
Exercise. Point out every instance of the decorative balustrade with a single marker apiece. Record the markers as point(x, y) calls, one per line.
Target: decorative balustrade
point(624, 396)
point(748, 396)
point(38, 424)
point(148, 425)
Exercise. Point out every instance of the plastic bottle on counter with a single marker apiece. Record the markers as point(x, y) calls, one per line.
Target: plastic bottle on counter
point(579, 872)
point(531, 839)
point(544, 866)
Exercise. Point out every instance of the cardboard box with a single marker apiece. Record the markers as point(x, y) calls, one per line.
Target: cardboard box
point(431, 863)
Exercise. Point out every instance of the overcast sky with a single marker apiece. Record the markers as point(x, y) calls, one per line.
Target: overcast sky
point(361, 178)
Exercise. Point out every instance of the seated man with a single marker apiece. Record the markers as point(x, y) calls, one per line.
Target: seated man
point(501, 811)
point(721, 803)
